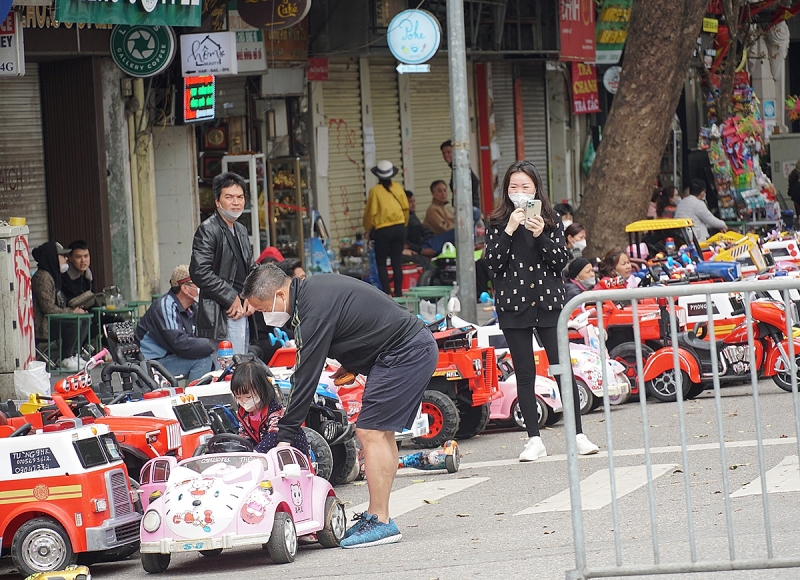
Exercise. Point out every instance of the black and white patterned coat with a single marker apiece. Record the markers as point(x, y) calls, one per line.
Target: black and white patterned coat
point(529, 289)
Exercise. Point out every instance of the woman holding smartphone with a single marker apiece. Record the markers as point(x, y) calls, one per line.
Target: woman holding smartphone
point(526, 252)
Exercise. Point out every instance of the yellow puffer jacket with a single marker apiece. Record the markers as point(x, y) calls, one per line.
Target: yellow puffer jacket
point(386, 209)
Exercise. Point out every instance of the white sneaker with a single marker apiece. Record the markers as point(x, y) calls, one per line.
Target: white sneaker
point(585, 447)
point(534, 449)
point(70, 364)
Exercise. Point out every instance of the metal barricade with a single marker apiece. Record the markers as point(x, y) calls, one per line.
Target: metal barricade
point(741, 547)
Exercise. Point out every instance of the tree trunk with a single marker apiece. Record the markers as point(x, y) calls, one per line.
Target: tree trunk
point(658, 50)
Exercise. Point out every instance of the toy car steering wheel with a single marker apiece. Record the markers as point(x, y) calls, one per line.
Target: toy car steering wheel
point(21, 430)
point(229, 443)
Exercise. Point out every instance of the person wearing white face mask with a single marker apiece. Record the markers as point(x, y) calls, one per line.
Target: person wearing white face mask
point(526, 256)
point(368, 333)
point(166, 331)
point(575, 235)
point(222, 257)
point(48, 298)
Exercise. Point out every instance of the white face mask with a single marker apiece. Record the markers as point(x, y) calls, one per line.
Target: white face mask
point(566, 224)
point(520, 200)
point(64, 268)
point(231, 216)
point(579, 245)
point(251, 404)
point(588, 283)
point(276, 318)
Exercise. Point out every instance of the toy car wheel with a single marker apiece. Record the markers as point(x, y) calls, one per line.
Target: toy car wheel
point(211, 553)
point(695, 390)
point(335, 524)
point(282, 545)
point(321, 455)
point(41, 545)
point(345, 456)
point(663, 387)
point(782, 377)
point(155, 563)
point(585, 396)
point(472, 420)
point(625, 354)
point(443, 419)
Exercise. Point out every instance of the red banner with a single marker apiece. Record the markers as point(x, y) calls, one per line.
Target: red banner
point(576, 28)
point(317, 69)
point(584, 89)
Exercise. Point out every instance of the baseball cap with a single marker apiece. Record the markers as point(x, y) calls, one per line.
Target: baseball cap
point(180, 275)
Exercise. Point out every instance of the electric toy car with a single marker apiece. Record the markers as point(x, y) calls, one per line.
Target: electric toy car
point(233, 497)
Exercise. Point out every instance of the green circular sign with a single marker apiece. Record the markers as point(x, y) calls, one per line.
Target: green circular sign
point(142, 51)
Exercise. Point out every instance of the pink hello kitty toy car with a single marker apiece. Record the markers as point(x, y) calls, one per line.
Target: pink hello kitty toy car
point(234, 497)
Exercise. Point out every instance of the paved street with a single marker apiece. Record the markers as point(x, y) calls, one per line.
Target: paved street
point(498, 518)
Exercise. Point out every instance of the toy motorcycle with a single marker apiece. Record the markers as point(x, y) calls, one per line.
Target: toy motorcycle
point(770, 355)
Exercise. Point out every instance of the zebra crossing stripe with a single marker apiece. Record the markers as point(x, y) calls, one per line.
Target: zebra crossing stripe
point(417, 495)
point(782, 478)
point(596, 489)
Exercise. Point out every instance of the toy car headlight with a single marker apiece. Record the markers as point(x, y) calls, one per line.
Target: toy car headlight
point(151, 521)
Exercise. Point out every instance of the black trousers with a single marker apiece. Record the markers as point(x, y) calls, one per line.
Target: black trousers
point(520, 343)
point(69, 337)
point(389, 242)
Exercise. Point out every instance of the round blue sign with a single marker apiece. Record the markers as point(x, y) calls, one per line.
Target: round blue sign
point(414, 36)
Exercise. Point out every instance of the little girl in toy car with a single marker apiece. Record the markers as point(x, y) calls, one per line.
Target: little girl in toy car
point(258, 410)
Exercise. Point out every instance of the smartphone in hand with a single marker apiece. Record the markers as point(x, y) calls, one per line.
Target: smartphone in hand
point(533, 208)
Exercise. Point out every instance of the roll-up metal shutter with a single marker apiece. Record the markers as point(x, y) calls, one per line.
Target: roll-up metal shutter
point(231, 98)
point(503, 106)
point(430, 126)
point(386, 112)
point(22, 176)
point(534, 115)
point(346, 188)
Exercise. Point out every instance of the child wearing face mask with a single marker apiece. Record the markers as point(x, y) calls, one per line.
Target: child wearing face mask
point(258, 409)
point(575, 234)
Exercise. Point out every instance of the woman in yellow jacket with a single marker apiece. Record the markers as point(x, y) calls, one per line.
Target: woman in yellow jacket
point(385, 221)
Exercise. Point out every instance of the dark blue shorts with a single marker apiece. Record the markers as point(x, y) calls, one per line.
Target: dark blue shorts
point(396, 383)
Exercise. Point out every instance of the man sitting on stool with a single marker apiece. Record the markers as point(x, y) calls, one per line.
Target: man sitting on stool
point(166, 331)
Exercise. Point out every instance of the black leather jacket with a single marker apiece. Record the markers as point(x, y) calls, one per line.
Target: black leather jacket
point(212, 269)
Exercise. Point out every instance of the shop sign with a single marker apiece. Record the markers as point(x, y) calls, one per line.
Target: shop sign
point(273, 14)
point(584, 89)
point(287, 45)
point(5, 8)
point(249, 45)
point(612, 30)
point(208, 53)
point(317, 69)
point(414, 36)
point(198, 98)
point(142, 51)
point(611, 79)
point(132, 12)
point(12, 49)
point(45, 17)
point(710, 25)
point(576, 30)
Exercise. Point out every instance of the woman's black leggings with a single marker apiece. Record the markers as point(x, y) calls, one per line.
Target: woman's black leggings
point(520, 343)
point(389, 242)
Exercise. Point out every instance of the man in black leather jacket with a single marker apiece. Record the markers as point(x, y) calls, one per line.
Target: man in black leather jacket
point(221, 260)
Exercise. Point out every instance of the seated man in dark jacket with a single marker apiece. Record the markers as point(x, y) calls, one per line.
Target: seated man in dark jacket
point(166, 331)
point(78, 280)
